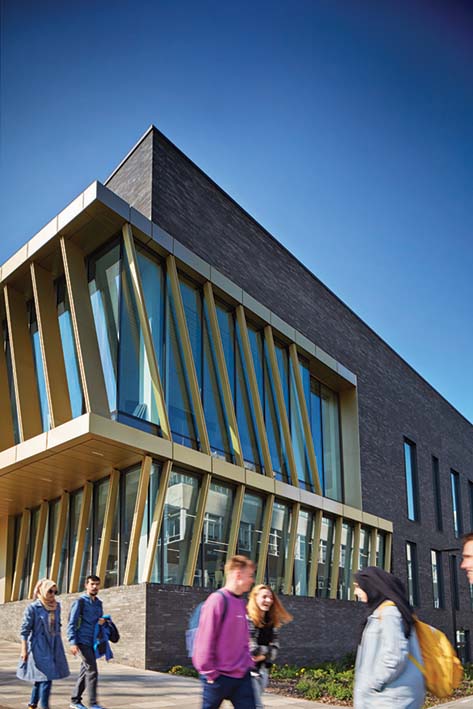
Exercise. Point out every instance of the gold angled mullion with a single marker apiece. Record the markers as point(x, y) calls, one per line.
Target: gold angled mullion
point(236, 518)
point(388, 552)
point(257, 404)
point(222, 369)
point(109, 518)
point(356, 556)
point(88, 353)
point(197, 531)
point(20, 554)
point(141, 496)
point(59, 536)
point(24, 372)
point(263, 555)
point(130, 254)
point(38, 546)
point(308, 440)
point(337, 542)
point(81, 535)
point(7, 435)
point(314, 561)
point(289, 571)
point(157, 522)
point(281, 404)
point(189, 364)
point(373, 545)
point(51, 346)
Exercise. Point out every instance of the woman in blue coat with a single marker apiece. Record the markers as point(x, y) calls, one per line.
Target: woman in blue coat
point(42, 652)
point(385, 676)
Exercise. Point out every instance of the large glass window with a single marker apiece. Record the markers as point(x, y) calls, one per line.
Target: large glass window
point(380, 549)
point(303, 552)
point(215, 536)
point(101, 489)
point(251, 527)
point(437, 578)
point(178, 526)
point(272, 414)
point(324, 571)
point(437, 493)
point(30, 544)
point(365, 548)
point(456, 503)
point(298, 438)
point(129, 490)
point(39, 369)
point(245, 408)
point(11, 385)
point(75, 506)
point(104, 287)
point(74, 385)
point(412, 574)
point(277, 549)
point(410, 467)
point(346, 562)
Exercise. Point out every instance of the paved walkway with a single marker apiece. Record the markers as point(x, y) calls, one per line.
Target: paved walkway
point(122, 687)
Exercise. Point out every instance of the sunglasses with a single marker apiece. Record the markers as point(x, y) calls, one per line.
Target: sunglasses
point(53, 590)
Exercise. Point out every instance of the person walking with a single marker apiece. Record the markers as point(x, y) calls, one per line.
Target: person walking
point(42, 653)
point(385, 677)
point(266, 614)
point(222, 642)
point(85, 613)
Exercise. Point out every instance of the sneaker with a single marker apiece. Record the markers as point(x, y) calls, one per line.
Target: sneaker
point(77, 705)
point(96, 706)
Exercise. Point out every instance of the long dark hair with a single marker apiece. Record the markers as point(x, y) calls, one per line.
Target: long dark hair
point(379, 586)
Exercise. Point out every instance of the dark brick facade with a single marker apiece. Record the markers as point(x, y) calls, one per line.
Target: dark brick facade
point(394, 401)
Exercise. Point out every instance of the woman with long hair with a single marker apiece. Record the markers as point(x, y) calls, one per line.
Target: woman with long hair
point(266, 614)
point(42, 657)
point(385, 676)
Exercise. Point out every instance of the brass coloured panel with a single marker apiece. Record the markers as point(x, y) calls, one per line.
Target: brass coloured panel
point(263, 555)
point(59, 535)
point(38, 546)
point(289, 571)
point(157, 522)
point(7, 436)
point(20, 554)
point(141, 495)
point(80, 541)
point(314, 561)
point(336, 557)
point(197, 531)
point(108, 520)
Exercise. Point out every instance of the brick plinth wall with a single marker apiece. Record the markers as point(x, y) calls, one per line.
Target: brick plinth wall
point(152, 620)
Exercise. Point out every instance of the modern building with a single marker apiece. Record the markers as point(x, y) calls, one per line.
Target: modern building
point(175, 387)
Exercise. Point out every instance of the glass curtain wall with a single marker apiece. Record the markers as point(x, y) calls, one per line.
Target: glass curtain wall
point(303, 553)
point(11, 384)
point(380, 549)
point(251, 527)
point(299, 446)
point(346, 562)
point(365, 548)
point(31, 539)
point(74, 385)
point(272, 414)
point(215, 536)
point(324, 571)
point(277, 549)
point(39, 369)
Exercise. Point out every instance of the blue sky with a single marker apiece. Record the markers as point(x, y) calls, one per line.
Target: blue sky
point(345, 128)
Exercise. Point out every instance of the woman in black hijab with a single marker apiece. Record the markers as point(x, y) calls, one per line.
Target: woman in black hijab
point(385, 677)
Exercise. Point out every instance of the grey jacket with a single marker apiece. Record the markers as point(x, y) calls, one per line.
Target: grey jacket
point(385, 678)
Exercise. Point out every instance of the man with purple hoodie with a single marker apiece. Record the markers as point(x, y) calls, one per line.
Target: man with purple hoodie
point(222, 643)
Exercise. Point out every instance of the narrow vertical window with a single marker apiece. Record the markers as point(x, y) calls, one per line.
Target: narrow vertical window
point(251, 527)
point(412, 583)
point(437, 579)
point(437, 495)
point(324, 571)
point(277, 549)
point(454, 576)
point(74, 385)
point(380, 549)
point(365, 548)
point(299, 443)
point(331, 444)
point(456, 503)
point(215, 536)
point(463, 645)
point(302, 555)
point(39, 369)
point(11, 384)
point(410, 465)
point(346, 562)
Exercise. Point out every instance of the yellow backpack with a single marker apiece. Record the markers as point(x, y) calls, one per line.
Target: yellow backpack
point(442, 669)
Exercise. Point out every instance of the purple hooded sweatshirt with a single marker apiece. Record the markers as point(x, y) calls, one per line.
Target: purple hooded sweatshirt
point(223, 648)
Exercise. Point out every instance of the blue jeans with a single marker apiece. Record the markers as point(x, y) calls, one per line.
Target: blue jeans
point(40, 694)
point(238, 690)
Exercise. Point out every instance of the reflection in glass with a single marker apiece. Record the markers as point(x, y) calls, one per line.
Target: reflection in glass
point(380, 549)
point(129, 490)
point(457, 519)
point(104, 284)
point(278, 542)
point(39, 369)
point(298, 438)
point(75, 506)
point(86, 565)
point(273, 421)
point(101, 489)
point(215, 536)
point(177, 528)
point(63, 573)
point(251, 527)
point(410, 465)
point(150, 504)
point(177, 389)
point(303, 553)
point(331, 444)
point(365, 548)
point(411, 558)
point(245, 411)
point(74, 385)
point(137, 393)
point(346, 562)
point(437, 578)
point(11, 385)
point(53, 518)
point(324, 572)
point(315, 408)
point(28, 560)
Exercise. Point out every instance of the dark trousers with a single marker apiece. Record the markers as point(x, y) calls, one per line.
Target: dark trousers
point(87, 676)
point(238, 690)
point(40, 694)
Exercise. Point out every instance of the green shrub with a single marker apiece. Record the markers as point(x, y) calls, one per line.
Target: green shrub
point(183, 671)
